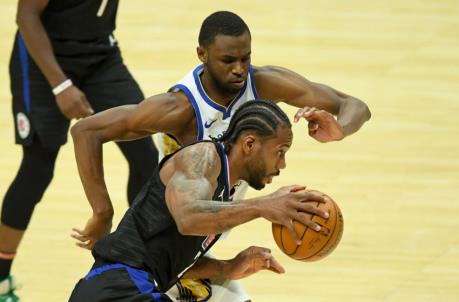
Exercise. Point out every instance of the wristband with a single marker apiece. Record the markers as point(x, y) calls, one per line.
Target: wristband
point(62, 86)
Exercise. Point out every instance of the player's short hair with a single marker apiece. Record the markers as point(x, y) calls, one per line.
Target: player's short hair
point(221, 22)
point(260, 116)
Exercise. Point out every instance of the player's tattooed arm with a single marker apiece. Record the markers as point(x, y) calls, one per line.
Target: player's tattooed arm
point(208, 268)
point(189, 192)
point(197, 170)
point(193, 180)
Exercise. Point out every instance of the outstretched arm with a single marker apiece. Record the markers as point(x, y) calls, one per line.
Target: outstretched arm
point(158, 113)
point(190, 187)
point(318, 102)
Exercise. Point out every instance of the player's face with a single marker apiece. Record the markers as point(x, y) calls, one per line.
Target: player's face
point(227, 61)
point(270, 158)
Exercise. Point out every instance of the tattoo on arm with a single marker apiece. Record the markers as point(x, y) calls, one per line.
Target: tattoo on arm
point(219, 273)
point(191, 189)
point(198, 167)
point(194, 185)
point(208, 268)
point(201, 161)
point(210, 206)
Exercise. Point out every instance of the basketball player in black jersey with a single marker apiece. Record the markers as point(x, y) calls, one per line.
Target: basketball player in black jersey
point(187, 203)
point(65, 64)
point(225, 51)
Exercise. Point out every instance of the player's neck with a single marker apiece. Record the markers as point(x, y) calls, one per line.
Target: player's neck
point(215, 92)
point(236, 166)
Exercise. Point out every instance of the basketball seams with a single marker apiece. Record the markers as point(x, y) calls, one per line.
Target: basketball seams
point(339, 219)
point(304, 233)
point(282, 239)
point(329, 237)
point(316, 247)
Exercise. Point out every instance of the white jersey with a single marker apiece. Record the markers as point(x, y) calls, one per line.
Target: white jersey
point(212, 118)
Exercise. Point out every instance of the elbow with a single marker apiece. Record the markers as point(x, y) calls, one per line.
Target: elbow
point(363, 110)
point(367, 113)
point(183, 231)
point(20, 19)
point(77, 130)
point(25, 14)
point(183, 228)
point(82, 130)
point(186, 225)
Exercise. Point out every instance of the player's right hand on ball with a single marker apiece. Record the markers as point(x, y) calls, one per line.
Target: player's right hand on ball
point(95, 229)
point(72, 103)
point(293, 203)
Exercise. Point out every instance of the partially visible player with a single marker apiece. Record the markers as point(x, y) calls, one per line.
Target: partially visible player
point(187, 203)
point(65, 64)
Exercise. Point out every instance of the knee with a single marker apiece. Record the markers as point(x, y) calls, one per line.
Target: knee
point(26, 190)
point(37, 169)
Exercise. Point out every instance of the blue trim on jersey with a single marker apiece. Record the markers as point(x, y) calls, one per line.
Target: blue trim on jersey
point(226, 169)
point(99, 270)
point(226, 111)
point(139, 277)
point(24, 58)
point(195, 106)
point(252, 80)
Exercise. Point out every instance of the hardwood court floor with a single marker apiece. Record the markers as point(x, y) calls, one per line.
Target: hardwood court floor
point(397, 180)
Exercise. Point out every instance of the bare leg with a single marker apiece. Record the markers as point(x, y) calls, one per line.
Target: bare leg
point(10, 239)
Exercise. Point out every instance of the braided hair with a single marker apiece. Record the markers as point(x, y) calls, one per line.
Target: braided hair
point(261, 116)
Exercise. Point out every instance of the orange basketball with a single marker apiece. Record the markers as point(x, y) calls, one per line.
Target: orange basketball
point(315, 245)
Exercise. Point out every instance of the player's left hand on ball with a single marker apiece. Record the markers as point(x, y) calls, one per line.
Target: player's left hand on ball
point(322, 125)
point(252, 260)
point(94, 230)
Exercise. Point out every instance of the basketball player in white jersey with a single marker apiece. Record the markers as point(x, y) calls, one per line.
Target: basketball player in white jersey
point(199, 107)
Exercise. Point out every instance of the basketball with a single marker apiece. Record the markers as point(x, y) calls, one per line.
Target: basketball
point(315, 245)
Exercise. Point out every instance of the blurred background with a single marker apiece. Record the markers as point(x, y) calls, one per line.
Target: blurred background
point(396, 180)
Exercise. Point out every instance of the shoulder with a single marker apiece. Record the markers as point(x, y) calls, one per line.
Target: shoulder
point(279, 83)
point(268, 72)
point(198, 160)
point(170, 110)
point(269, 76)
point(270, 81)
point(273, 74)
point(169, 101)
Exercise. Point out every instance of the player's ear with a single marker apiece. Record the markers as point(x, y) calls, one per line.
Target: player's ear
point(249, 142)
point(202, 54)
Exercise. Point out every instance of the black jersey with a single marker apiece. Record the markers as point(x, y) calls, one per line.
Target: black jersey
point(147, 237)
point(79, 19)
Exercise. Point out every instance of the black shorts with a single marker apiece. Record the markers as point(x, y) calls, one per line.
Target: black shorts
point(95, 67)
point(117, 282)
